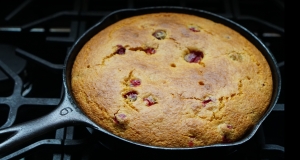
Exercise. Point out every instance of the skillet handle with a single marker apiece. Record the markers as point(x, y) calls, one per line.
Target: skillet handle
point(64, 114)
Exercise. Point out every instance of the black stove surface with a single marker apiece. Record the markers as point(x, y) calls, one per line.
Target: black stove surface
point(35, 37)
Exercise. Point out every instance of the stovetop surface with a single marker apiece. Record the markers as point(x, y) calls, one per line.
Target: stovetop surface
point(35, 37)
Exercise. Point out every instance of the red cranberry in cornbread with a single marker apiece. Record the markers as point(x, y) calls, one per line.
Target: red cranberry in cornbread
point(150, 51)
point(194, 56)
point(150, 101)
point(135, 82)
point(120, 50)
point(131, 95)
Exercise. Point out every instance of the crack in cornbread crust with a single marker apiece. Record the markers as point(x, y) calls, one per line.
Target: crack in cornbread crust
point(233, 76)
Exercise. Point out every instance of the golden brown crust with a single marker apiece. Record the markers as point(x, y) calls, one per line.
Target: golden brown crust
point(212, 101)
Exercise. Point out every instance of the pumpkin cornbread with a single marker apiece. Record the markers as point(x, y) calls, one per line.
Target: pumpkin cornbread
point(172, 80)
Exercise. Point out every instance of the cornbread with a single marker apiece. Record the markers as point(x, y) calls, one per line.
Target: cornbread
point(172, 80)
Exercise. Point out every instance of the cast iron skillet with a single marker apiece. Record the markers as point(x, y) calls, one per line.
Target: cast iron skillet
point(68, 113)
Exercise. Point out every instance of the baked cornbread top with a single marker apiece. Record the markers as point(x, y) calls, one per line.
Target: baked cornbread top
point(172, 80)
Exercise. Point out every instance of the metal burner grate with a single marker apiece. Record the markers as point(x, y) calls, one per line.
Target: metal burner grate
point(16, 99)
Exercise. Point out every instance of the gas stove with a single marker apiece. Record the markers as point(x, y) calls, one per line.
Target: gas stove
point(35, 37)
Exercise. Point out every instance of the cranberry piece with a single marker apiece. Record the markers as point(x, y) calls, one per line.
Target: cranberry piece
point(225, 139)
point(150, 51)
point(229, 126)
point(119, 118)
point(150, 101)
point(191, 143)
point(205, 102)
point(135, 82)
point(122, 116)
point(194, 56)
point(131, 95)
point(121, 49)
point(160, 34)
point(116, 120)
point(194, 29)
